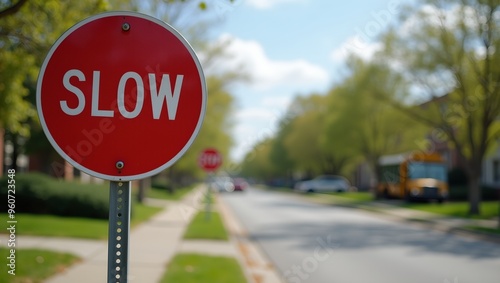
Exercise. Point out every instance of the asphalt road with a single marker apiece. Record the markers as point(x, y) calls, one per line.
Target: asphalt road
point(327, 244)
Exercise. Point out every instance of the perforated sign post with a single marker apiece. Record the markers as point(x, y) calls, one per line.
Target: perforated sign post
point(121, 96)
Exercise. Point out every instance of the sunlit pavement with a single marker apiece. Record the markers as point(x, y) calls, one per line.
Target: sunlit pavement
point(324, 243)
point(153, 244)
point(392, 209)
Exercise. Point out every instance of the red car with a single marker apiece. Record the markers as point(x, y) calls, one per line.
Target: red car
point(240, 184)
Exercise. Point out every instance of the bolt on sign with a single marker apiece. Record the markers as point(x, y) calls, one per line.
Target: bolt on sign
point(121, 96)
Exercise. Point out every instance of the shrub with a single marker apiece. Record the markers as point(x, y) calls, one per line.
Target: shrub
point(461, 193)
point(162, 184)
point(41, 194)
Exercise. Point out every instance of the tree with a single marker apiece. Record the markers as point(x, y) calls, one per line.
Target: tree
point(215, 132)
point(304, 139)
point(27, 30)
point(12, 72)
point(217, 125)
point(366, 126)
point(282, 162)
point(8, 8)
point(451, 47)
point(257, 164)
point(301, 141)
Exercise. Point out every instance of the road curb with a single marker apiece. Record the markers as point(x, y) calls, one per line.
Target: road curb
point(257, 268)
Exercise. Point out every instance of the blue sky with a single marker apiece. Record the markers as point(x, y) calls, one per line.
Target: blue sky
point(290, 48)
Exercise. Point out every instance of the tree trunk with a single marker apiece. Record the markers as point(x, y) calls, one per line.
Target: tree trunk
point(15, 151)
point(474, 195)
point(144, 184)
point(2, 150)
point(170, 181)
point(68, 171)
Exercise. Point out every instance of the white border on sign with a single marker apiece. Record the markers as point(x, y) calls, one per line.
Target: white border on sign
point(117, 177)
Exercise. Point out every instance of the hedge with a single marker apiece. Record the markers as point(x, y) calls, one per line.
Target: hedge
point(462, 192)
point(41, 194)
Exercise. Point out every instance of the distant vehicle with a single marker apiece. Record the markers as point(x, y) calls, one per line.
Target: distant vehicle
point(324, 183)
point(222, 184)
point(413, 176)
point(240, 184)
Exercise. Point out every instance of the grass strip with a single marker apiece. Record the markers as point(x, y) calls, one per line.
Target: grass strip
point(141, 213)
point(58, 226)
point(356, 196)
point(163, 193)
point(343, 197)
point(489, 209)
point(35, 265)
point(195, 268)
point(205, 226)
point(495, 231)
point(340, 198)
point(75, 227)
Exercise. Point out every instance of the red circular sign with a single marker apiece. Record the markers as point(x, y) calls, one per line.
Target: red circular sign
point(121, 96)
point(210, 159)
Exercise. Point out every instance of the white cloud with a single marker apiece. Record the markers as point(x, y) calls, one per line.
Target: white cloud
point(257, 123)
point(255, 113)
point(266, 96)
point(364, 44)
point(264, 119)
point(450, 18)
point(355, 45)
point(267, 4)
point(280, 102)
point(265, 73)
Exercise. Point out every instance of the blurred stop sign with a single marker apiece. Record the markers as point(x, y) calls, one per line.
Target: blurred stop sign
point(210, 159)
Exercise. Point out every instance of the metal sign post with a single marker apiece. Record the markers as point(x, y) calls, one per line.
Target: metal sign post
point(209, 160)
point(208, 197)
point(119, 230)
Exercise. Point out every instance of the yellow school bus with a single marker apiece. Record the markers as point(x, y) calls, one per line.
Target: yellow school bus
point(413, 176)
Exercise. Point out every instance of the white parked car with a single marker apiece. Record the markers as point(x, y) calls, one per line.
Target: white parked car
point(222, 184)
point(324, 183)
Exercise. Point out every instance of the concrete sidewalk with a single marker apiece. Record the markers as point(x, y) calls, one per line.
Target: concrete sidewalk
point(152, 245)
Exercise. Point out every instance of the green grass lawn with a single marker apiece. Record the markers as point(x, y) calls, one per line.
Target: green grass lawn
point(341, 198)
point(355, 196)
point(58, 226)
point(162, 193)
point(34, 265)
point(50, 225)
point(210, 228)
point(484, 229)
point(489, 209)
point(141, 213)
point(194, 268)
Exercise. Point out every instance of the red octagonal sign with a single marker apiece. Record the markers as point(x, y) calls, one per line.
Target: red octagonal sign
point(210, 159)
point(121, 96)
